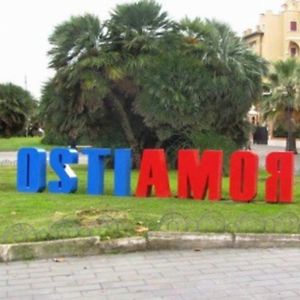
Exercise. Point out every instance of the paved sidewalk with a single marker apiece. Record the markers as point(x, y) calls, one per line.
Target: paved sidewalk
point(214, 274)
point(8, 157)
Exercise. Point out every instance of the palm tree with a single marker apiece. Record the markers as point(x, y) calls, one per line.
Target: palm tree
point(136, 28)
point(209, 81)
point(140, 56)
point(78, 85)
point(135, 32)
point(16, 107)
point(95, 66)
point(231, 58)
point(284, 99)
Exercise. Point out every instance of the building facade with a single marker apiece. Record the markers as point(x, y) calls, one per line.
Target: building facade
point(277, 36)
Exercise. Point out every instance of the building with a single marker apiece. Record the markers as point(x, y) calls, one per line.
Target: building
point(277, 36)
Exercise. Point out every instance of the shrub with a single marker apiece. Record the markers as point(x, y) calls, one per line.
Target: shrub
point(213, 141)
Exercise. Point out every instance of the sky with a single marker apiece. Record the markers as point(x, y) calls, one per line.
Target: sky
point(25, 26)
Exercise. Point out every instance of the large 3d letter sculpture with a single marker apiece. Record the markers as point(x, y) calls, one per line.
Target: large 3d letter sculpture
point(31, 176)
point(95, 176)
point(243, 176)
point(279, 186)
point(197, 176)
point(153, 173)
point(60, 158)
point(123, 161)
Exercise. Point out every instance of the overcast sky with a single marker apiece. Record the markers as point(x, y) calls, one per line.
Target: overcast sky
point(25, 26)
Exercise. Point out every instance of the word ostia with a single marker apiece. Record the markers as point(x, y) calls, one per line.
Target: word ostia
point(197, 177)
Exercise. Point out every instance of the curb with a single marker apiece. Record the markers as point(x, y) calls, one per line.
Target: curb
point(195, 241)
point(153, 241)
point(69, 247)
point(185, 241)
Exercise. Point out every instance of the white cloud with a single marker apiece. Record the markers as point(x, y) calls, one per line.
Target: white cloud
point(26, 25)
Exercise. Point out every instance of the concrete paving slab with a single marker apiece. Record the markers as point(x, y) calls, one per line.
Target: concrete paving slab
point(249, 276)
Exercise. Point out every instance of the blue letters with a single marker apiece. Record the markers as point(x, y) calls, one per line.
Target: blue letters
point(95, 180)
point(59, 160)
point(32, 169)
point(123, 162)
point(31, 175)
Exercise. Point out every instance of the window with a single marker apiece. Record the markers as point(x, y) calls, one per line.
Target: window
point(293, 26)
point(293, 51)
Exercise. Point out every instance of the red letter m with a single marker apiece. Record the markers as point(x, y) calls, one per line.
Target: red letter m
point(197, 176)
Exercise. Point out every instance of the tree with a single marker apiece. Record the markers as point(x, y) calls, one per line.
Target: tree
point(135, 32)
point(209, 82)
point(237, 74)
point(284, 99)
point(78, 87)
point(16, 108)
point(136, 29)
point(153, 78)
point(94, 71)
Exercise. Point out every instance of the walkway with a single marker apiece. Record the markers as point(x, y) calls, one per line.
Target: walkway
point(275, 146)
point(211, 274)
point(9, 158)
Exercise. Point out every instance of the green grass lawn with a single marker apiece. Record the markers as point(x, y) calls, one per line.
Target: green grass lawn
point(15, 143)
point(47, 216)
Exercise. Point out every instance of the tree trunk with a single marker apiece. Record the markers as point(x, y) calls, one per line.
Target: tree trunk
point(127, 129)
point(291, 139)
point(7, 132)
point(291, 143)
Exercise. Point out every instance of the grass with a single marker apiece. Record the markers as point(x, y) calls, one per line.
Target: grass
point(15, 143)
point(50, 216)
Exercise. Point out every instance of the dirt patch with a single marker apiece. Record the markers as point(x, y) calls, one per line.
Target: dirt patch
point(95, 217)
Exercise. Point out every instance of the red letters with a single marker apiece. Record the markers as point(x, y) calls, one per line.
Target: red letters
point(243, 176)
point(279, 186)
point(153, 172)
point(196, 177)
